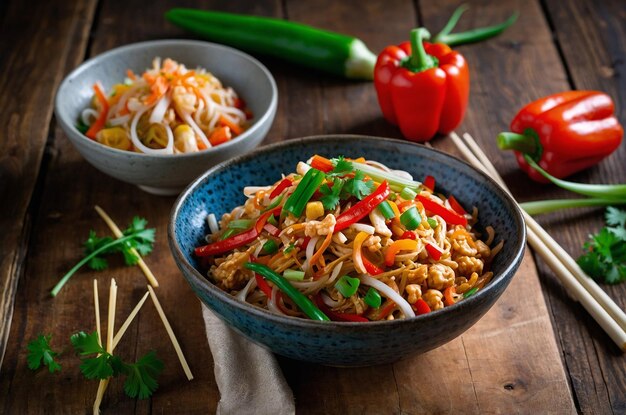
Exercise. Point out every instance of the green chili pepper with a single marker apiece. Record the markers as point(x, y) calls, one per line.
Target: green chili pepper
point(411, 218)
point(470, 36)
point(347, 286)
point(324, 50)
point(300, 299)
point(311, 181)
point(432, 222)
point(372, 298)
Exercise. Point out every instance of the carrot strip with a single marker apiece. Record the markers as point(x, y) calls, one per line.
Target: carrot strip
point(316, 256)
point(99, 123)
point(235, 128)
point(130, 74)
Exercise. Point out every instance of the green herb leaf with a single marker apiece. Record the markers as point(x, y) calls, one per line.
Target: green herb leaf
point(605, 252)
point(357, 186)
point(342, 166)
point(331, 195)
point(40, 352)
point(86, 344)
point(97, 367)
point(141, 381)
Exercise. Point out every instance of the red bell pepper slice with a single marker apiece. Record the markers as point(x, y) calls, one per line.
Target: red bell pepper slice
point(450, 296)
point(285, 183)
point(238, 240)
point(409, 235)
point(337, 316)
point(429, 182)
point(362, 208)
point(456, 206)
point(371, 268)
point(449, 216)
point(434, 251)
point(421, 307)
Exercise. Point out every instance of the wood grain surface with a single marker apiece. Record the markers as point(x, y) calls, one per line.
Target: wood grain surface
point(536, 351)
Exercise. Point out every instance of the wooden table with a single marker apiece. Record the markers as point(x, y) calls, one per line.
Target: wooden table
point(536, 351)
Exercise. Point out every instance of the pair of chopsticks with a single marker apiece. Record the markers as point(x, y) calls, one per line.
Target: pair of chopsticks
point(602, 308)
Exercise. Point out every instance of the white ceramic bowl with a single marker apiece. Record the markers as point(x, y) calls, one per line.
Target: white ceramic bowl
point(166, 174)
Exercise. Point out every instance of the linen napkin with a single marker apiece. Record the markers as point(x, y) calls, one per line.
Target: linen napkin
point(248, 376)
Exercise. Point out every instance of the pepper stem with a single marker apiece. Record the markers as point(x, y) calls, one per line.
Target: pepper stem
point(527, 143)
point(420, 60)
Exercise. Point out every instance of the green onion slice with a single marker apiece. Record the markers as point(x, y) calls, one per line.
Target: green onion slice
point(372, 298)
point(347, 286)
point(385, 209)
point(411, 218)
point(293, 275)
point(270, 247)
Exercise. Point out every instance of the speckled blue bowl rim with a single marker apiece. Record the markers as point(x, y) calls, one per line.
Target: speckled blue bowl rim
point(85, 66)
point(501, 278)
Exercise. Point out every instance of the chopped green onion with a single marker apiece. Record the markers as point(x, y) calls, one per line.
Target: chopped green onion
point(385, 209)
point(372, 298)
point(395, 182)
point(411, 218)
point(432, 222)
point(304, 191)
point(270, 247)
point(289, 248)
point(347, 286)
point(275, 202)
point(240, 224)
point(470, 292)
point(392, 197)
point(293, 275)
point(408, 194)
point(272, 220)
point(229, 232)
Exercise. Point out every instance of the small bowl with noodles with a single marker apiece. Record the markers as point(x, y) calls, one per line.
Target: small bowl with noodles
point(347, 250)
point(157, 114)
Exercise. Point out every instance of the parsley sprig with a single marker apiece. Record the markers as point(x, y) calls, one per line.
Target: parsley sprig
point(40, 353)
point(605, 257)
point(136, 236)
point(140, 376)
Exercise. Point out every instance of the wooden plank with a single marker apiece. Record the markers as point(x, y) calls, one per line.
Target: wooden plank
point(591, 36)
point(31, 35)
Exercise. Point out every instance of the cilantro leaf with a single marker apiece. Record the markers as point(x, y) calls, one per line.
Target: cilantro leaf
point(40, 352)
point(97, 367)
point(358, 187)
point(615, 217)
point(331, 195)
point(136, 236)
point(605, 252)
point(342, 166)
point(141, 381)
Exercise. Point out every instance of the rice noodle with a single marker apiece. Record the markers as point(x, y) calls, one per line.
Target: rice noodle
point(212, 222)
point(159, 109)
point(249, 286)
point(123, 119)
point(361, 227)
point(86, 114)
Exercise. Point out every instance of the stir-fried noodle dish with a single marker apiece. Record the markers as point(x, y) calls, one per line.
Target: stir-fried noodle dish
point(169, 109)
point(349, 240)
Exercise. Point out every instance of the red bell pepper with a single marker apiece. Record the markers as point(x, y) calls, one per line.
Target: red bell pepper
point(362, 208)
point(421, 307)
point(371, 268)
point(449, 216)
point(564, 133)
point(429, 182)
point(285, 183)
point(434, 251)
point(422, 87)
point(238, 240)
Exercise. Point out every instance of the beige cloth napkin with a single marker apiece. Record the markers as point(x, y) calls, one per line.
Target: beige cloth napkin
point(248, 376)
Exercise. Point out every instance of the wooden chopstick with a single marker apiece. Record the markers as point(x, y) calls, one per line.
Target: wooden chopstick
point(601, 307)
point(118, 234)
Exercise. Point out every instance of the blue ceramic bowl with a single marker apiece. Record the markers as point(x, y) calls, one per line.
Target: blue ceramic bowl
point(338, 343)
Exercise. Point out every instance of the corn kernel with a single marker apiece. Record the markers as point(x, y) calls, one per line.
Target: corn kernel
point(314, 210)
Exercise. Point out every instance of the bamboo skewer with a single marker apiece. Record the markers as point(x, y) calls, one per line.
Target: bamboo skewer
point(606, 313)
point(170, 332)
point(118, 234)
point(102, 386)
point(96, 303)
point(129, 320)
